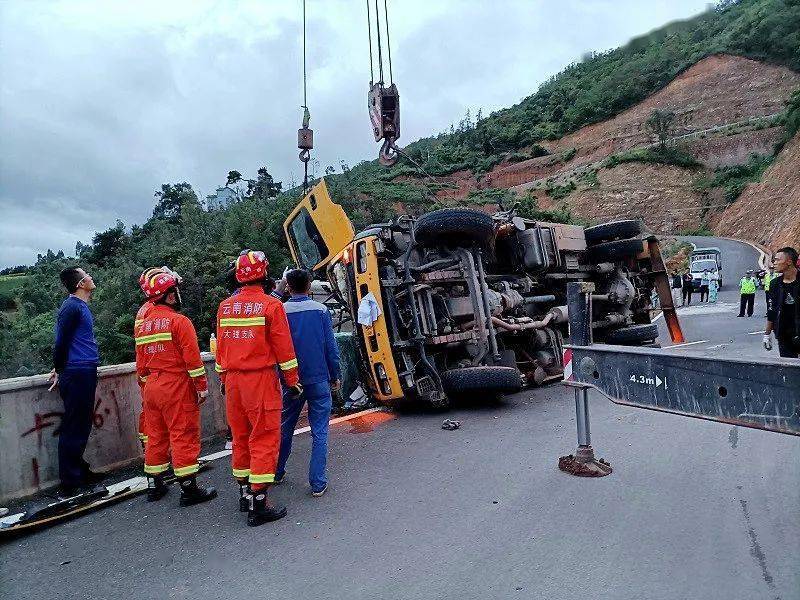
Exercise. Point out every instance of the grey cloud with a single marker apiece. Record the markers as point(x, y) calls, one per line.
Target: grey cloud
point(102, 102)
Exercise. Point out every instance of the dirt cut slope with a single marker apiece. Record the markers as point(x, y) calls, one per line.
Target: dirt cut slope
point(768, 212)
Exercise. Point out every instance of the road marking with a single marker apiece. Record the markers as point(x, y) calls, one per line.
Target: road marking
point(760, 332)
point(224, 453)
point(658, 316)
point(687, 344)
point(717, 346)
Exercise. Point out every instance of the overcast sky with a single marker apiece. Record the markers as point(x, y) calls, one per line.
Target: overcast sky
point(102, 102)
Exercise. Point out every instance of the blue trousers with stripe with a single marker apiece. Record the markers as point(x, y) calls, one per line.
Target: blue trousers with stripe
point(318, 398)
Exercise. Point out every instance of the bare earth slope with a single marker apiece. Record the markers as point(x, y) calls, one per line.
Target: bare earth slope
point(725, 107)
point(768, 212)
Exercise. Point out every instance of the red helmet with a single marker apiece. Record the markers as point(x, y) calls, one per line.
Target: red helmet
point(158, 284)
point(252, 265)
point(146, 275)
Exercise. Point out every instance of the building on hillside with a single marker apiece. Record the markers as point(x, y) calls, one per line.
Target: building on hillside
point(224, 196)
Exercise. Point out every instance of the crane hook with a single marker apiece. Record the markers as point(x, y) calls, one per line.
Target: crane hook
point(389, 153)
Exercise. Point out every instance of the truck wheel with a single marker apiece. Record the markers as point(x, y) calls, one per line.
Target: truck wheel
point(633, 335)
point(490, 379)
point(616, 250)
point(616, 230)
point(455, 227)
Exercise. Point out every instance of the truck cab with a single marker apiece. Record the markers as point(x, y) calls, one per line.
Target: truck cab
point(702, 259)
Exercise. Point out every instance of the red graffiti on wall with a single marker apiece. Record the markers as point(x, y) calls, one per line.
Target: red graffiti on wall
point(42, 421)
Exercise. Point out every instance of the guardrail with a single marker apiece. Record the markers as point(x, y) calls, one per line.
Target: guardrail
point(30, 418)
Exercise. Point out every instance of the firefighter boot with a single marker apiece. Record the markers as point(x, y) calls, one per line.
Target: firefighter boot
point(244, 497)
point(156, 488)
point(262, 511)
point(191, 493)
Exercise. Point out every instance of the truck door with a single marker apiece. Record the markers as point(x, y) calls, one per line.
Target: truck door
point(317, 229)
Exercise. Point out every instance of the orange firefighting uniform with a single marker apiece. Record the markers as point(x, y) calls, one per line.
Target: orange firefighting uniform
point(252, 338)
point(140, 315)
point(168, 357)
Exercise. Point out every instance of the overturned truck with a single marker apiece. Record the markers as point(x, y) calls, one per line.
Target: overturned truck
point(458, 300)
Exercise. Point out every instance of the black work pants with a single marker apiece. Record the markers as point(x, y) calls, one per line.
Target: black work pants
point(703, 293)
point(746, 302)
point(787, 348)
point(77, 388)
point(687, 295)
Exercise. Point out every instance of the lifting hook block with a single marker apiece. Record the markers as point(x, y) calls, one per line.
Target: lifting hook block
point(388, 156)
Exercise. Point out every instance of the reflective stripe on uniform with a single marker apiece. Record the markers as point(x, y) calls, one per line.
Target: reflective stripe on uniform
point(241, 472)
point(142, 437)
point(155, 337)
point(217, 368)
point(242, 321)
point(183, 471)
point(155, 469)
point(268, 478)
point(289, 364)
point(197, 372)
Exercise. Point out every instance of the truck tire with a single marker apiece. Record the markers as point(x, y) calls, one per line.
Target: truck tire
point(454, 227)
point(616, 250)
point(490, 379)
point(615, 230)
point(633, 335)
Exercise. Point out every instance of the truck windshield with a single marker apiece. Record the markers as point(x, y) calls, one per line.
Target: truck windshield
point(307, 241)
point(699, 266)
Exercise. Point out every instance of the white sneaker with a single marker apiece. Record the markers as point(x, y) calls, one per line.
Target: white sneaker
point(320, 493)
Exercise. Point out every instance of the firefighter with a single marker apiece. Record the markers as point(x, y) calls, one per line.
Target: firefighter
point(144, 309)
point(168, 358)
point(252, 339)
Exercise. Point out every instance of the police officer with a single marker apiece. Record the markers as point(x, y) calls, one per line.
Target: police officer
point(747, 293)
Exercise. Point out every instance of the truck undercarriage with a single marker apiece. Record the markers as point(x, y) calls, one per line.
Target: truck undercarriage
point(463, 301)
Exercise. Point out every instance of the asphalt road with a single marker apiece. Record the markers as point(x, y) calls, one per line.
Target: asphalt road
point(714, 329)
point(693, 510)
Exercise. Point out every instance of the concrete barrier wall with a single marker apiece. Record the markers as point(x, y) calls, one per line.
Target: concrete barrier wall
point(30, 417)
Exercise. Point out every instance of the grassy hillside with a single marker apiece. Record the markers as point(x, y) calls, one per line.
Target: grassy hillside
point(199, 243)
point(589, 92)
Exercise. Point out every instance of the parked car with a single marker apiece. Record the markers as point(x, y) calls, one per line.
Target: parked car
point(458, 300)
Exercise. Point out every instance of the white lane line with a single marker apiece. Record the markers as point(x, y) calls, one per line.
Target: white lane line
point(760, 332)
point(658, 316)
point(298, 431)
point(140, 480)
point(717, 346)
point(686, 344)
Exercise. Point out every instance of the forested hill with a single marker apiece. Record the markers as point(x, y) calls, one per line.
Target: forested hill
point(198, 242)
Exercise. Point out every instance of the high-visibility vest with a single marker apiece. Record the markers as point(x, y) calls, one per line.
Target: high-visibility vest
point(768, 279)
point(747, 285)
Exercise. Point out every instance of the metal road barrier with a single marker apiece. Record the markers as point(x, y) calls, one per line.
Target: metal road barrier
point(763, 394)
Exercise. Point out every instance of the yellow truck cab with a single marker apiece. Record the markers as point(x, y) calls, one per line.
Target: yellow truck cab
point(460, 301)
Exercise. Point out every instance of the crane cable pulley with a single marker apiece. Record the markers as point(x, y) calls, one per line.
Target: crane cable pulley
point(383, 102)
point(305, 135)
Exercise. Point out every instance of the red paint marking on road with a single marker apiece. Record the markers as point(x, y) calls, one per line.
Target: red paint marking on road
point(368, 422)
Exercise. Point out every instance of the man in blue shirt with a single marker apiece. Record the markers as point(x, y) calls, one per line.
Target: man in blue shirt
point(75, 361)
point(318, 358)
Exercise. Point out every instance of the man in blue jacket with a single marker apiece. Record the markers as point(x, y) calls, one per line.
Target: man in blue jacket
point(318, 357)
point(75, 361)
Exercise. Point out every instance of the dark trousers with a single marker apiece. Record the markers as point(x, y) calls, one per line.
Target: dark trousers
point(703, 293)
point(746, 301)
point(787, 348)
point(687, 295)
point(77, 388)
